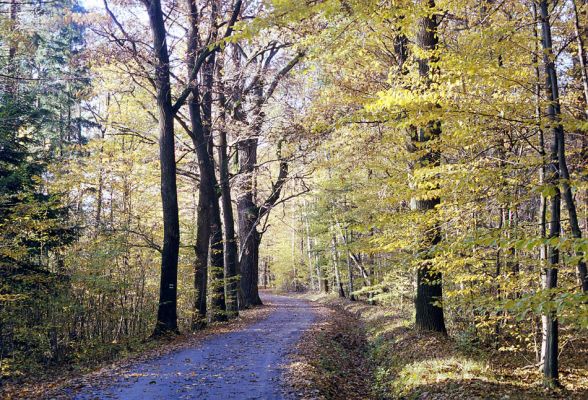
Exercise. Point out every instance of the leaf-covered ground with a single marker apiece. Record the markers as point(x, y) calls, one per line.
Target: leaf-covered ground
point(372, 352)
point(331, 361)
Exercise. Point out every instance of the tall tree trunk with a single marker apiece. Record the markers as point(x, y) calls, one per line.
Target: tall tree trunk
point(349, 268)
point(429, 313)
point(550, 322)
point(543, 170)
point(249, 239)
point(568, 197)
point(167, 310)
point(581, 32)
point(311, 283)
point(209, 228)
point(249, 243)
point(322, 282)
point(203, 213)
point(247, 211)
point(217, 262)
point(230, 241)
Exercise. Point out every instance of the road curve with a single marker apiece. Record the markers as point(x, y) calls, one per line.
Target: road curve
point(245, 364)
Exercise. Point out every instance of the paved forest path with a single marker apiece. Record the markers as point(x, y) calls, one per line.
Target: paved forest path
point(244, 364)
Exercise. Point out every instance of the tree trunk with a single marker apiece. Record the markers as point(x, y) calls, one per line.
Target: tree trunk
point(230, 241)
point(568, 197)
point(167, 310)
point(335, 256)
point(247, 211)
point(249, 239)
point(429, 313)
point(322, 282)
point(311, 283)
point(349, 269)
point(209, 228)
point(216, 269)
point(542, 170)
point(550, 323)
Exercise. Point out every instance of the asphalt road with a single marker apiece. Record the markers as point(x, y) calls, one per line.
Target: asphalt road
point(245, 364)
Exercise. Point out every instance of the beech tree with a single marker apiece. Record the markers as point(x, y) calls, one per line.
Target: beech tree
point(249, 212)
point(429, 312)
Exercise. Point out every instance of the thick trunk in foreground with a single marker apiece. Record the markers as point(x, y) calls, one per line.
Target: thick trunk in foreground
point(209, 228)
point(167, 310)
point(429, 311)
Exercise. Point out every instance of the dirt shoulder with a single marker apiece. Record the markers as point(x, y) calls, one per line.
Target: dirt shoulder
point(358, 351)
point(331, 359)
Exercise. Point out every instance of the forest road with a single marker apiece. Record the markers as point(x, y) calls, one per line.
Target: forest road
point(245, 364)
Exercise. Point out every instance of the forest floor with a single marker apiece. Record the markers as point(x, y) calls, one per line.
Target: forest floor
point(315, 347)
point(358, 351)
point(239, 360)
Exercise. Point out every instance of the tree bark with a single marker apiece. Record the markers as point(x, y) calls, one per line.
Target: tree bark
point(550, 322)
point(167, 310)
point(349, 267)
point(217, 262)
point(209, 228)
point(230, 241)
point(568, 197)
point(429, 313)
point(309, 249)
point(248, 214)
